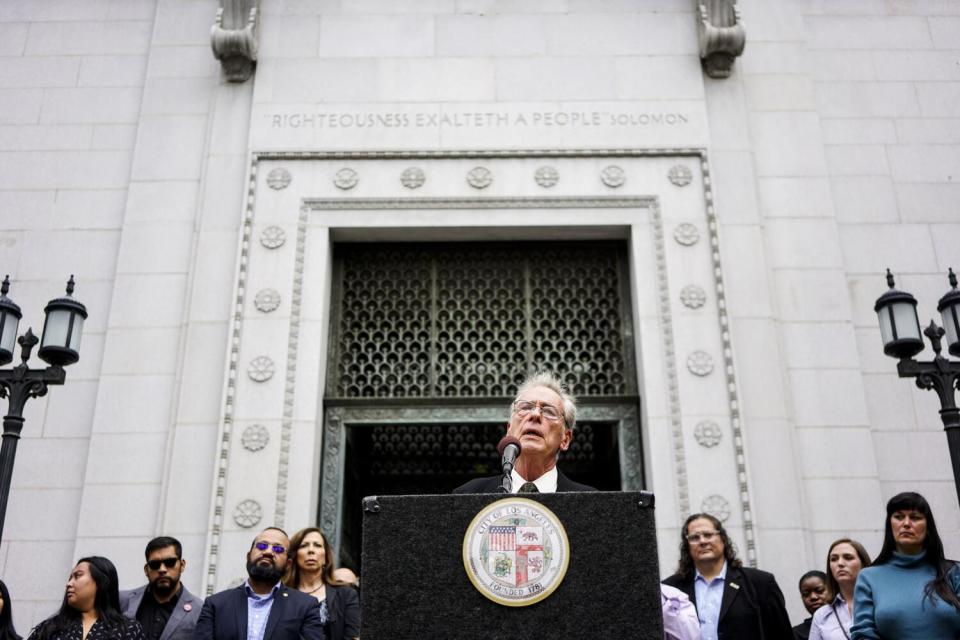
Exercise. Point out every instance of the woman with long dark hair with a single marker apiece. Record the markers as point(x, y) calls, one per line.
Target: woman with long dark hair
point(91, 607)
point(911, 591)
point(7, 632)
point(312, 573)
point(845, 559)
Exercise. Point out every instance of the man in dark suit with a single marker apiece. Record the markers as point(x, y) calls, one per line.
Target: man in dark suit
point(542, 418)
point(164, 607)
point(262, 608)
point(733, 602)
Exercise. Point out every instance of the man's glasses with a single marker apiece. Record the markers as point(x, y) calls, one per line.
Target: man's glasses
point(276, 548)
point(524, 407)
point(169, 563)
point(706, 536)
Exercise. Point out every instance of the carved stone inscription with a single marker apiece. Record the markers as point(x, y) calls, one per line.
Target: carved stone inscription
point(474, 119)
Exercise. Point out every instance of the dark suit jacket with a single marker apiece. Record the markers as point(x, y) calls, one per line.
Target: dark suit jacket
point(752, 607)
point(182, 620)
point(492, 485)
point(343, 611)
point(294, 615)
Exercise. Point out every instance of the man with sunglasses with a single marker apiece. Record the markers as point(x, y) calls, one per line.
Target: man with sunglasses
point(541, 418)
point(164, 607)
point(262, 608)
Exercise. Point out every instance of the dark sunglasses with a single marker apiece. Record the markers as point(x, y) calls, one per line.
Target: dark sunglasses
point(169, 563)
point(276, 548)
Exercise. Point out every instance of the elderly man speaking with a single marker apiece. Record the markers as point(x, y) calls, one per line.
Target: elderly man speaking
point(542, 418)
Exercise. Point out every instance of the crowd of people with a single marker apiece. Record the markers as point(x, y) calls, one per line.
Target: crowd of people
point(292, 591)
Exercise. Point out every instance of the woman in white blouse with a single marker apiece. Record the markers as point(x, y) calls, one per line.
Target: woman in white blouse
point(844, 561)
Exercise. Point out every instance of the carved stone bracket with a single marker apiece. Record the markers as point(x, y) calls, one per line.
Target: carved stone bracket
point(721, 35)
point(234, 38)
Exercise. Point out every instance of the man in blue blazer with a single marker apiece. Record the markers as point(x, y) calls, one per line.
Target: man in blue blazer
point(262, 608)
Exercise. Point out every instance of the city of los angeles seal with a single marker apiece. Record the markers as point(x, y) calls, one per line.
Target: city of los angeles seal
point(516, 552)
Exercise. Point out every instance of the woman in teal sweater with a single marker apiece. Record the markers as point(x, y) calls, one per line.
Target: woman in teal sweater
point(910, 592)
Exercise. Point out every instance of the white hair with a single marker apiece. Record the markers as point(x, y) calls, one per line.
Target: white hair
point(548, 380)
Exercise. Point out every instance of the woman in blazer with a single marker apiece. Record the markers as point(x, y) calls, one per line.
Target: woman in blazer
point(312, 573)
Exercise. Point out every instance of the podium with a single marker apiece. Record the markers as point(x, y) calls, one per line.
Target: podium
point(415, 584)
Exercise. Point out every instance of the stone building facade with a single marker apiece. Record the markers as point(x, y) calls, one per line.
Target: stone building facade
point(207, 217)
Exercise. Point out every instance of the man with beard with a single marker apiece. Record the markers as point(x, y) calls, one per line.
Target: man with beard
point(262, 608)
point(163, 606)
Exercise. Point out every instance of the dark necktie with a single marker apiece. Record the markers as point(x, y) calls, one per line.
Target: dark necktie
point(528, 487)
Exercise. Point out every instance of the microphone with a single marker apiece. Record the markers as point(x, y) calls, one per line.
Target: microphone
point(509, 449)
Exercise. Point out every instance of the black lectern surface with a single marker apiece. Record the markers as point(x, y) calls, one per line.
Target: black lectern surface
point(415, 586)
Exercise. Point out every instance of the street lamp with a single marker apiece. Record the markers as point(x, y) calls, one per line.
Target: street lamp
point(900, 330)
point(61, 340)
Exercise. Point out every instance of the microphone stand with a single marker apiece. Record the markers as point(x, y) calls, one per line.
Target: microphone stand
point(506, 484)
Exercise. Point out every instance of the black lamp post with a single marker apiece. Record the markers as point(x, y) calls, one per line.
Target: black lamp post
point(900, 330)
point(61, 340)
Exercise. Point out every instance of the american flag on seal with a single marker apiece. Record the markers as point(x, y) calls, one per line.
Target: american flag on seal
point(503, 538)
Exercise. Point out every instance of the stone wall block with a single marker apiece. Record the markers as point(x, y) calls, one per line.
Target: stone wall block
point(859, 131)
point(490, 35)
point(88, 38)
point(70, 408)
point(86, 105)
point(793, 197)
point(828, 397)
point(632, 34)
point(826, 452)
point(376, 36)
point(799, 243)
point(820, 345)
point(889, 399)
point(117, 510)
point(867, 32)
point(812, 295)
point(867, 99)
point(788, 144)
point(867, 248)
point(555, 79)
point(857, 160)
point(128, 403)
point(865, 199)
point(436, 80)
point(47, 71)
point(112, 71)
point(152, 250)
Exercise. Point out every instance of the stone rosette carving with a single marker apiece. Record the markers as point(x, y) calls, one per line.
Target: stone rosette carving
point(267, 300)
point(693, 296)
point(247, 513)
point(255, 437)
point(413, 178)
point(479, 177)
point(707, 434)
point(346, 178)
point(700, 363)
point(261, 369)
point(613, 176)
point(686, 234)
point(273, 237)
point(717, 506)
point(278, 179)
point(680, 175)
point(546, 176)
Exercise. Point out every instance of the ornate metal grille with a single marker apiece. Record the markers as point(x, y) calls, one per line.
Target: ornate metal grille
point(459, 320)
